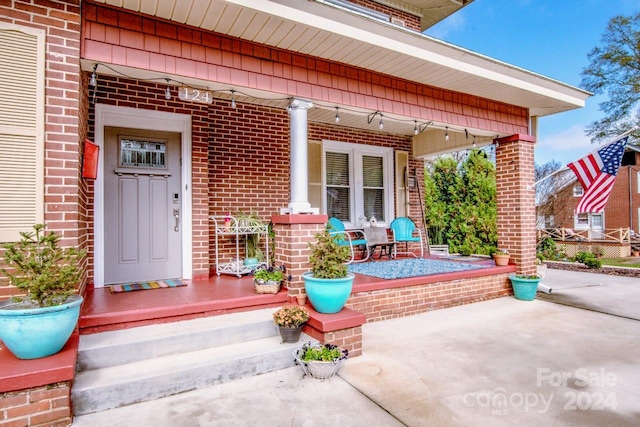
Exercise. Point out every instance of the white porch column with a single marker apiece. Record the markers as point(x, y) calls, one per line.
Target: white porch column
point(299, 172)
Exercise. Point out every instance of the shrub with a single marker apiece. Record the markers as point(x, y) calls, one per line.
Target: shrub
point(547, 249)
point(588, 259)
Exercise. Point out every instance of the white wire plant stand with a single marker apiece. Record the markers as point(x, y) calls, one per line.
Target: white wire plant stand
point(229, 227)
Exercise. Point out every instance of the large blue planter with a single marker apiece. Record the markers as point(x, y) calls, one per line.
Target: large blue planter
point(524, 288)
point(328, 295)
point(31, 333)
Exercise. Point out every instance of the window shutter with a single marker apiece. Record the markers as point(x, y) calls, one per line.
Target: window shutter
point(338, 190)
point(314, 165)
point(22, 55)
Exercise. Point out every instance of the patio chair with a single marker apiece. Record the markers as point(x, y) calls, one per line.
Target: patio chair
point(352, 238)
point(404, 230)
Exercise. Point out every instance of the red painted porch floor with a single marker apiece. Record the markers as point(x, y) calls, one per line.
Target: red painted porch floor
point(104, 311)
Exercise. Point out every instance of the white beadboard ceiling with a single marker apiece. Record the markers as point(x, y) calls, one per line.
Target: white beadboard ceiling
point(323, 30)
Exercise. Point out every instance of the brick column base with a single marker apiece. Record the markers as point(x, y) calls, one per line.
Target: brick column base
point(48, 405)
point(292, 235)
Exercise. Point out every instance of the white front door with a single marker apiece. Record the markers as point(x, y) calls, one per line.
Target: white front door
point(142, 218)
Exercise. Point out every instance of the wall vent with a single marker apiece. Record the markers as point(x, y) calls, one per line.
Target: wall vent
point(398, 21)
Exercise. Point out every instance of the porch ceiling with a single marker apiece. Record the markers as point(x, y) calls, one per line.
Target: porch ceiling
point(327, 31)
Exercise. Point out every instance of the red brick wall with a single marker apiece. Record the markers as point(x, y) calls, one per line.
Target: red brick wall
point(240, 156)
point(124, 92)
point(516, 200)
point(564, 205)
point(42, 406)
point(411, 21)
point(624, 190)
point(122, 38)
point(249, 158)
point(399, 302)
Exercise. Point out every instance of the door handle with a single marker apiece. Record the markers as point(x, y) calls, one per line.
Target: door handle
point(176, 215)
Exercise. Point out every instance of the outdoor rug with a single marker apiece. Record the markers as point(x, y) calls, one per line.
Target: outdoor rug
point(143, 286)
point(400, 269)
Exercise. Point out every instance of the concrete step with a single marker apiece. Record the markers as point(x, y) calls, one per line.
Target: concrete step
point(123, 367)
point(115, 348)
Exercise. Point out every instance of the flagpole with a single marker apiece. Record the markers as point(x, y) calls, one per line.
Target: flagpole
point(548, 176)
point(614, 140)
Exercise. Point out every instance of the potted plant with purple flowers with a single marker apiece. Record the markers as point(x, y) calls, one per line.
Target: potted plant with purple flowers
point(320, 361)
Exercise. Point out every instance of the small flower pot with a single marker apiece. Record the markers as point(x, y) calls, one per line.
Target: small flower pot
point(501, 259)
point(301, 299)
point(290, 335)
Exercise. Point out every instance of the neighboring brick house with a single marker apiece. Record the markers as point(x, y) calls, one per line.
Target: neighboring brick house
point(622, 209)
point(204, 107)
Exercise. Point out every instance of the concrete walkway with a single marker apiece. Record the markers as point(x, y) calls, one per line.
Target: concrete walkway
point(501, 363)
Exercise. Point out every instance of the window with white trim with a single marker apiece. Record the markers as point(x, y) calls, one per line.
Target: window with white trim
point(582, 220)
point(22, 59)
point(578, 191)
point(358, 183)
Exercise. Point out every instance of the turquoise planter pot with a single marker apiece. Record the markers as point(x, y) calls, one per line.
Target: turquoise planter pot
point(32, 333)
point(328, 295)
point(524, 289)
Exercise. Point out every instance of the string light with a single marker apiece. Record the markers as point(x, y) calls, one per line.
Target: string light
point(418, 127)
point(94, 80)
point(167, 92)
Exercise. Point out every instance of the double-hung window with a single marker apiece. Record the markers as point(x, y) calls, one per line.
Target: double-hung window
point(358, 183)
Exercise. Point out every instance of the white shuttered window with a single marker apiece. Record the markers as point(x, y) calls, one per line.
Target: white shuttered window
point(22, 56)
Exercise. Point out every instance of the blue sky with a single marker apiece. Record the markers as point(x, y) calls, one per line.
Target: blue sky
point(549, 37)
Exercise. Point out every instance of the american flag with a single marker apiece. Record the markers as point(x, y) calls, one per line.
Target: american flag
point(597, 173)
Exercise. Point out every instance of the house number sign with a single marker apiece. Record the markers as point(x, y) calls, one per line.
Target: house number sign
point(196, 95)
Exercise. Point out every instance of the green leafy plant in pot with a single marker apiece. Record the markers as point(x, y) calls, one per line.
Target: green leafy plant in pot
point(320, 361)
point(40, 323)
point(254, 254)
point(328, 285)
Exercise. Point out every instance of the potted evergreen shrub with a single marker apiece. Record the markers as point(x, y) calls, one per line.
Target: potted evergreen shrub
point(328, 284)
point(40, 323)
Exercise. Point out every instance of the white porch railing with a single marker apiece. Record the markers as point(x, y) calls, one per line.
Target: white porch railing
point(609, 235)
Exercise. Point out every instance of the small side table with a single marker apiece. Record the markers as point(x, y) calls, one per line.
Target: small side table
point(378, 237)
